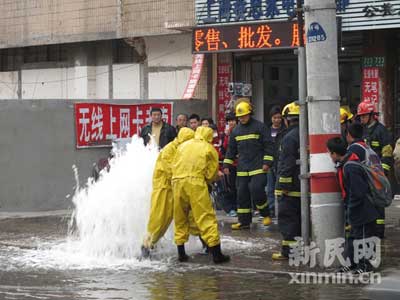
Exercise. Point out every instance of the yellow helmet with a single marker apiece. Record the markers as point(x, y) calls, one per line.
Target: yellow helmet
point(345, 114)
point(243, 108)
point(291, 109)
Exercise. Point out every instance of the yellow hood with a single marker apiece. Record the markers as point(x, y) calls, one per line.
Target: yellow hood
point(185, 134)
point(204, 133)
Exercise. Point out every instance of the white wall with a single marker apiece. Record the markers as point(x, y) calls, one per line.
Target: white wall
point(166, 53)
point(169, 50)
point(126, 81)
point(102, 82)
point(8, 85)
point(168, 85)
point(55, 83)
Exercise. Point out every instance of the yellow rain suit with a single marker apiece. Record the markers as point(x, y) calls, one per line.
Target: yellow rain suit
point(161, 211)
point(195, 165)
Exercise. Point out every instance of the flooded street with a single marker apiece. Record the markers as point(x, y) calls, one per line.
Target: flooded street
point(35, 263)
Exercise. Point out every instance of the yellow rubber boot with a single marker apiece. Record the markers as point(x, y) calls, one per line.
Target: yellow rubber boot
point(279, 256)
point(267, 221)
point(240, 226)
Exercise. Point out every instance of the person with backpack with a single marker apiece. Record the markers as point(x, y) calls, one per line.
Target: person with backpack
point(367, 156)
point(361, 214)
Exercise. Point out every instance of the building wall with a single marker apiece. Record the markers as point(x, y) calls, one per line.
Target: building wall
point(39, 22)
point(37, 151)
point(152, 68)
point(169, 64)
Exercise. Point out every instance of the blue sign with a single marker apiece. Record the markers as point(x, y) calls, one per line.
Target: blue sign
point(226, 11)
point(315, 33)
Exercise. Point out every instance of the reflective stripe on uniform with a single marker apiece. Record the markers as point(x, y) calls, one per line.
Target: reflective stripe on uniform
point(294, 194)
point(380, 221)
point(290, 194)
point(251, 173)
point(387, 151)
point(228, 161)
point(256, 172)
point(288, 243)
point(386, 167)
point(375, 144)
point(285, 179)
point(247, 137)
point(262, 206)
point(268, 157)
point(242, 174)
point(243, 210)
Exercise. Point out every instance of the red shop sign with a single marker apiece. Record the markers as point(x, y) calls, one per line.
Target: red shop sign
point(370, 85)
point(98, 124)
point(224, 97)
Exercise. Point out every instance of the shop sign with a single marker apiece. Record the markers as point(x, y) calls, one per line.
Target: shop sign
point(246, 37)
point(375, 61)
point(227, 11)
point(356, 14)
point(197, 65)
point(370, 85)
point(98, 124)
point(224, 97)
point(381, 9)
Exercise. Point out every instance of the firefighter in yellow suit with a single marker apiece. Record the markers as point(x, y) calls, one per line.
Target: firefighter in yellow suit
point(161, 211)
point(194, 167)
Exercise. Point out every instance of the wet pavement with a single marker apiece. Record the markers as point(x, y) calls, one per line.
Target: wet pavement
point(35, 263)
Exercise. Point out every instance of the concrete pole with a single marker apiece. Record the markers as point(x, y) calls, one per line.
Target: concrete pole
point(323, 116)
point(303, 127)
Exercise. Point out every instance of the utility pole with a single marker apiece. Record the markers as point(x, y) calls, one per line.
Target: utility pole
point(323, 115)
point(303, 128)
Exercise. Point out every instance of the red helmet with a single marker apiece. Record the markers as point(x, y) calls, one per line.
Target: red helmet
point(366, 107)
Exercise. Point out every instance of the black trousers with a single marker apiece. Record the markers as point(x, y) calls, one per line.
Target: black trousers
point(251, 188)
point(289, 221)
point(358, 233)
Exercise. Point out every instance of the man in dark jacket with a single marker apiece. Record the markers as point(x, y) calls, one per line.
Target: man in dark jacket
point(288, 183)
point(358, 146)
point(162, 132)
point(361, 214)
point(249, 141)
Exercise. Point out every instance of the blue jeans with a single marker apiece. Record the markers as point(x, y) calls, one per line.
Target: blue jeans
point(271, 190)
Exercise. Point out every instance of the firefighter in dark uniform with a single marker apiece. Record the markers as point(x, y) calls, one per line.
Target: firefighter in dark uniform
point(287, 187)
point(380, 140)
point(253, 147)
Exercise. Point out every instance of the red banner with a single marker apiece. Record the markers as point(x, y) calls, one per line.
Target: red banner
point(224, 97)
point(197, 65)
point(98, 124)
point(370, 85)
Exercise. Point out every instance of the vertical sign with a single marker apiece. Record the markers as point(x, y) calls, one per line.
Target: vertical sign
point(197, 65)
point(224, 97)
point(370, 84)
point(98, 124)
